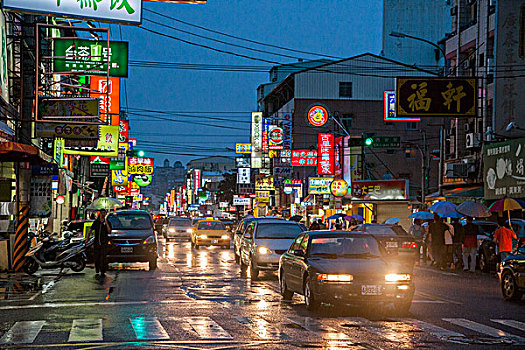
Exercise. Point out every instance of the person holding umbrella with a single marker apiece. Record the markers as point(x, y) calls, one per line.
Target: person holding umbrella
point(470, 245)
point(503, 238)
point(102, 229)
point(436, 231)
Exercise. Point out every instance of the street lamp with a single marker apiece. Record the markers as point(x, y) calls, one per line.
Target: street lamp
point(442, 128)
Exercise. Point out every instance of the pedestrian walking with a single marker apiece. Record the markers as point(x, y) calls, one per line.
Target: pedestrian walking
point(418, 232)
point(457, 255)
point(314, 226)
point(436, 231)
point(101, 228)
point(470, 245)
point(449, 245)
point(503, 238)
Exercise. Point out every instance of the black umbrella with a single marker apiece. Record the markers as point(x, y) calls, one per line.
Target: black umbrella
point(296, 218)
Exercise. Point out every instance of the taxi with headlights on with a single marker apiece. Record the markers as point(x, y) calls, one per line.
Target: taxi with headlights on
point(344, 267)
point(209, 232)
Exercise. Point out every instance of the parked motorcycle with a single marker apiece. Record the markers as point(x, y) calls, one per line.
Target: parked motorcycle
point(50, 254)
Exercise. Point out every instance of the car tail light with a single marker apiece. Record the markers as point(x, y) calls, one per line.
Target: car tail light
point(409, 245)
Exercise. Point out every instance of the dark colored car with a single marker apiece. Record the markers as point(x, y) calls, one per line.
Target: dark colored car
point(239, 232)
point(400, 246)
point(487, 258)
point(512, 275)
point(343, 267)
point(132, 237)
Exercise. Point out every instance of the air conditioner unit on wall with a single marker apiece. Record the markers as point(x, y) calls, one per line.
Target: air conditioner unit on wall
point(472, 140)
point(456, 170)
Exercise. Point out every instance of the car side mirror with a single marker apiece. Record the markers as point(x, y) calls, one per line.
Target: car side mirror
point(299, 252)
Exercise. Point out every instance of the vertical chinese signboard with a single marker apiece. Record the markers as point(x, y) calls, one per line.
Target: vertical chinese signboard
point(504, 169)
point(434, 97)
point(390, 109)
point(257, 139)
point(108, 91)
point(287, 131)
point(196, 179)
point(326, 145)
point(123, 134)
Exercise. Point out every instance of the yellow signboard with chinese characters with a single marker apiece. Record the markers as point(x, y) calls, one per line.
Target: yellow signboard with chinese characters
point(262, 196)
point(264, 183)
point(143, 166)
point(245, 148)
point(107, 145)
point(426, 96)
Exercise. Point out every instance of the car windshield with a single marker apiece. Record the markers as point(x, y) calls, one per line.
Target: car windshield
point(278, 231)
point(180, 222)
point(134, 221)
point(347, 246)
point(211, 225)
point(386, 230)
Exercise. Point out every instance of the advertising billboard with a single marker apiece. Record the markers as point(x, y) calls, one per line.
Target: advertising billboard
point(77, 110)
point(114, 11)
point(108, 93)
point(379, 190)
point(107, 144)
point(256, 140)
point(304, 157)
point(326, 149)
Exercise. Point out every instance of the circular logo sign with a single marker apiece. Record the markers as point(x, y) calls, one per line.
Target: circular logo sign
point(339, 188)
point(143, 180)
point(317, 116)
point(276, 135)
point(288, 190)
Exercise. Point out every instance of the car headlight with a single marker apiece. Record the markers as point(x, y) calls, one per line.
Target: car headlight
point(335, 277)
point(171, 229)
point(397, 277)
point(263, 250)
point(150, 239)
point(203, 236)
point(225, 237)
point(188, 230)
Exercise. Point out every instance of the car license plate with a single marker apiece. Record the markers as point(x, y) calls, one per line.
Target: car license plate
point(370, 290)
point(391, 244)
point(126, 249)
point(214, 241)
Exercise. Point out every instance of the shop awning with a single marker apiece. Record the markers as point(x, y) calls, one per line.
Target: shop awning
point(19, 152)
point(458, 194)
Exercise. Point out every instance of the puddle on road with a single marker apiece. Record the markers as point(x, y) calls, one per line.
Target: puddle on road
point(18, 289)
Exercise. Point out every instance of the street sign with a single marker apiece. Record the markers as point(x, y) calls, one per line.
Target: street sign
point(435, 97)
point(91, 57)
point(386, 142)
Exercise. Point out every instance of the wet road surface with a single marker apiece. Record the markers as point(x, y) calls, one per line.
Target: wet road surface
point(197, 299)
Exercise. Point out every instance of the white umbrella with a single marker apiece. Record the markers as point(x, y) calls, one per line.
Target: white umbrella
point(105, 203)
point(473, 209)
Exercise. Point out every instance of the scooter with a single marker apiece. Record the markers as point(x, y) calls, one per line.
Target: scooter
point(49, 255)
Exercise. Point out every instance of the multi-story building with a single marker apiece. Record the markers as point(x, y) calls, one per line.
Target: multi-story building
point(165, 179)
point(206, 174)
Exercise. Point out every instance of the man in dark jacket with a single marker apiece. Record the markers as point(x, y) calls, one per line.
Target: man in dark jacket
point(436, 231)
point(101, 228)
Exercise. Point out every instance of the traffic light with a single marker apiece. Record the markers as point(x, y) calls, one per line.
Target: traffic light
point(136, 153)
point(434, 155)
point(369, 141)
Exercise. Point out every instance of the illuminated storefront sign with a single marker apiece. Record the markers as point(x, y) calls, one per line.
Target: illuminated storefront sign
point(262, 196)
point(319, 185)
point(287, 131)
point(141, 166)
point(243, 148)
point(264, 183)
point(71, 110)
point(339, 188)
point(317, 116)
point(196, 179)
point(389, 104)
point(379, 190)
point(326, 162)
point(304, 157)
point(275, 138)
point(107, 145)
point(256, 139)
point(108, 91)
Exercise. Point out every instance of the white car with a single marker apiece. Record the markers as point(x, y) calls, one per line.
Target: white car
point(178, 228)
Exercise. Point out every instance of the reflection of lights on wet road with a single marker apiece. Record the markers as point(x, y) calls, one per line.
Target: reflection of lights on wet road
point(171, 251)
point(203, 260)
point(189, 260)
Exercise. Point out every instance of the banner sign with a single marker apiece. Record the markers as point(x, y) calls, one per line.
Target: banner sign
point(196, 179)
point(242, 201)
point(264, 183)
point(67, 131)
point(435, 97)
point(123, 133)
point(504, 169)
point(91, 57)
point(265, 132)
point(99, 166)
point(389, 105)
point(325, 164)
point(287, 131)
point(76, 110)
point(141, 166)
point(243, 176)
point(379, 190)
point(107, 145)
point(304, 158)
point(113, 11)
point(262, 196)
point(108, 92)
point(319, 185)
point(256, 140)
point(275, 137)
point(243, 148)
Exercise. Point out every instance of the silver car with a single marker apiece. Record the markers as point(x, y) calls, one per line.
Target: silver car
point(263, 243)
point(178, 228)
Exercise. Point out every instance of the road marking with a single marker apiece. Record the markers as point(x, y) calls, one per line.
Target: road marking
point(148, 328)
point(511, 323)
point(433, 297)
point(490, 331)
point(262, 328)
point(396, 331)
point(107, 303)
point(428, 302)
point(206, 328)
point(437, 271)
point(312, 325)
point(86, 330)
point(23, 332)
point(438, 332)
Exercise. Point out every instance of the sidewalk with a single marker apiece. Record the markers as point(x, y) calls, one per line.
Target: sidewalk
point(19, 287)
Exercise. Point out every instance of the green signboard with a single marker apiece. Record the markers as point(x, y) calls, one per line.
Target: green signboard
point(385, 142)
point(90, 57)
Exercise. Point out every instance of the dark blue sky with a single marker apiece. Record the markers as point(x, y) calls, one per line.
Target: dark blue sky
point(340, 28)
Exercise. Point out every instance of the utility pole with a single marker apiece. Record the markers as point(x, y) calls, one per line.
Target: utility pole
point(23, 176)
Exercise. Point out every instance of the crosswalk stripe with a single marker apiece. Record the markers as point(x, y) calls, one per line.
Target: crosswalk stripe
point(511, 323)
point(312, 325)
point(148, 328)
point(484, 329)
point(395, 331)
point(262, 328)
point(23, 332)
point(438, 332)
point(85, 330)
point(206, 328)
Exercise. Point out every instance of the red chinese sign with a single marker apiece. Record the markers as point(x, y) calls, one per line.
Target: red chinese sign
point(123, 134)
point(108, 91)
point(121, 189)
point(379, 190)
point(304, 158)
point(326, 162)
point(138, 165)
